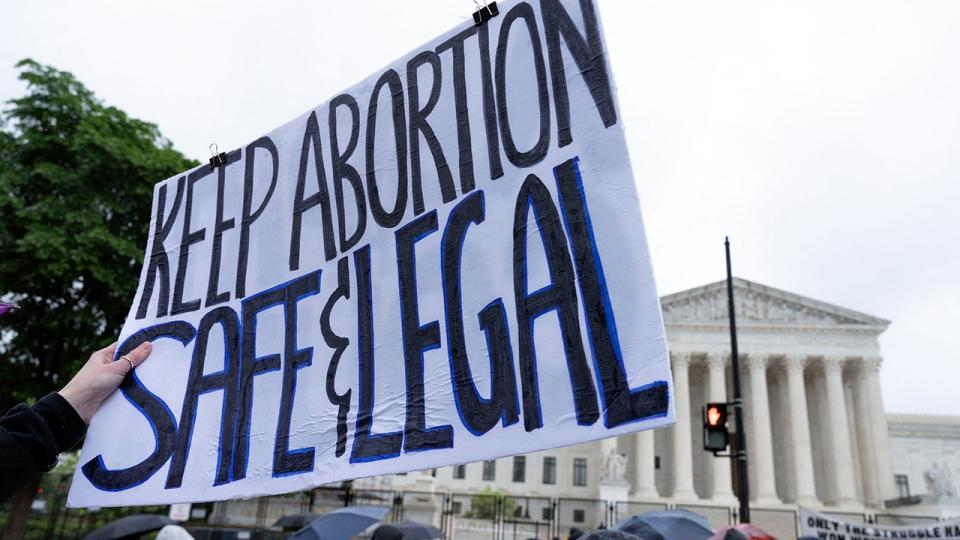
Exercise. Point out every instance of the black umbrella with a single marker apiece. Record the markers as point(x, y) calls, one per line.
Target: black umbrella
point(296, 521)
point(130, 526)
point(610, 534)
point(342, 524)
point(386, 532)
point(408, 530)
point(644, 531)
point(675, 524)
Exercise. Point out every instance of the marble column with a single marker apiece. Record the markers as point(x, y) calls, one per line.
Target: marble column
point(844, 492)
point(761, 453)
point(716, 373)
point(644, 480)
point(864, 425)
point(886, 488)
point(803, 474)
point(682, 437)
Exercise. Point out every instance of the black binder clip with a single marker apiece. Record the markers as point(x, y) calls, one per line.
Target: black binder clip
point(484, 13)
point(216, 159)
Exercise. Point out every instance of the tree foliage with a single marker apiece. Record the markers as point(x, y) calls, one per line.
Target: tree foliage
point(76, 184)
point(483, 505)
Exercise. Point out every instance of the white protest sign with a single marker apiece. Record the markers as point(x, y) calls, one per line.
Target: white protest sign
point(446, 263)
point(816, 525)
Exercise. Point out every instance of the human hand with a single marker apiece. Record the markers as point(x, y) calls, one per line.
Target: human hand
point(99, 377)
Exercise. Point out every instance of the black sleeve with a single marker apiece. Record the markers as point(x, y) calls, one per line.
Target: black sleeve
point(31, 438)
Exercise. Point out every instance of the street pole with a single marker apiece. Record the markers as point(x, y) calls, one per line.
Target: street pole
point(740, 441)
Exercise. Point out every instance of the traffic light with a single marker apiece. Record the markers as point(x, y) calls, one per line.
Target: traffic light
point(715, 435)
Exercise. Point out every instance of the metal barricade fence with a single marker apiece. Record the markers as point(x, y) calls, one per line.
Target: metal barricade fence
point(626, 509)
point(781, 523)
point(583, 514)
point(423, 506)
point(718, 516)
point(483, 515)
point(472, 516)
point(50, 519)
point(531, 517)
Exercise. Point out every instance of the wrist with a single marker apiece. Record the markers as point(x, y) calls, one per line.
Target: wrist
point(66, 425)
point(82, 406)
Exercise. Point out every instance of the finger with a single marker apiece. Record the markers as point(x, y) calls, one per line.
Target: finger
point(132, 359)
point(105, 355)
point(138, 355)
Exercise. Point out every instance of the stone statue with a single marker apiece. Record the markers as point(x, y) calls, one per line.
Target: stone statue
point(614, 467)
point(940, 487)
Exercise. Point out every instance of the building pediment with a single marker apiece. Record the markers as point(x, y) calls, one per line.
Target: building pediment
point(758, 304)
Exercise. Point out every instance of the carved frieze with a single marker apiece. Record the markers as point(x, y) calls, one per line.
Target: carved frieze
point(755, 304)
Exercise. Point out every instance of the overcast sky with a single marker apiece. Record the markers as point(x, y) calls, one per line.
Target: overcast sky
point(823, 137)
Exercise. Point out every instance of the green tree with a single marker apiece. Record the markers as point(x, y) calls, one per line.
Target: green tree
point(76, 184)
point(483, 505)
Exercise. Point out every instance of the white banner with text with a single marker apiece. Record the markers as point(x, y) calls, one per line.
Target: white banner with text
point(445, 263)
point(816, 525)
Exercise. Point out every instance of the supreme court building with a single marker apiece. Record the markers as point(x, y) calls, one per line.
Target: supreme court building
point(818, 437)
point(817, 431)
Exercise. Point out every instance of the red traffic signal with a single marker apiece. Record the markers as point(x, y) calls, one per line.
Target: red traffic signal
point(715, 434)
point(716, 415)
